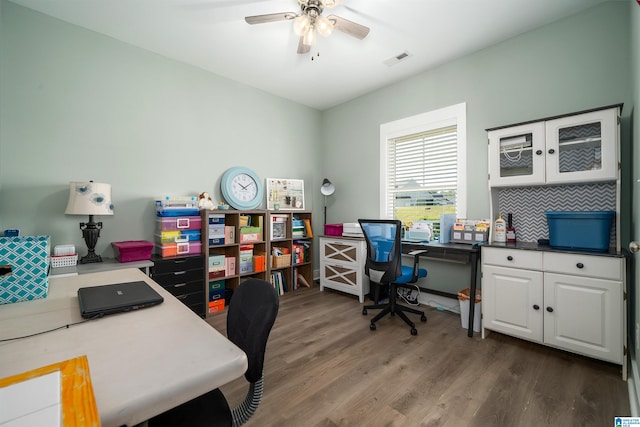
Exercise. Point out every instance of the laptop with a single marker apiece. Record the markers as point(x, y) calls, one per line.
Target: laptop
point(98, 301)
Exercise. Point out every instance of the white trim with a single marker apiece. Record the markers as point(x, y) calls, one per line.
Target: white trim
point(447, 116)
point(632, 384)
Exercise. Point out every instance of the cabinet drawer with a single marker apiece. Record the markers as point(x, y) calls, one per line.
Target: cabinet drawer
point(177, 264)
point(191, 299)
point(584, 265)
point(185, 288)
point(340, 251)
point(530, 260)
point(177, 277)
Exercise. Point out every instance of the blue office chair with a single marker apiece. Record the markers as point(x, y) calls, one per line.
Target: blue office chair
point(251, 314)
point(384, 267)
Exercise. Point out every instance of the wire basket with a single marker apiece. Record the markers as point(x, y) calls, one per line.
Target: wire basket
point(280, 261)
point(64, 261)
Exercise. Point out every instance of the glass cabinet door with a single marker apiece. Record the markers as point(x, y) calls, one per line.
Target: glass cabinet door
point(582, 147)
point(517, 155)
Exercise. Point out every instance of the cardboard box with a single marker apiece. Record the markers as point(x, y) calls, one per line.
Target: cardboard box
point(24, 264)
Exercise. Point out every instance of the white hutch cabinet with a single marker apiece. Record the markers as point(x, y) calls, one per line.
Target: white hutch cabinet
point(569, 149)
point(571, 300)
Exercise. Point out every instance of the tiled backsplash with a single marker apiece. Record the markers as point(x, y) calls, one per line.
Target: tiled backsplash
point(528, 204)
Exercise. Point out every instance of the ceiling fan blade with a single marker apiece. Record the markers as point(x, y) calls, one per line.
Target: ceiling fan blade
point(303, 48)
point(356, 30)
point(272, 17)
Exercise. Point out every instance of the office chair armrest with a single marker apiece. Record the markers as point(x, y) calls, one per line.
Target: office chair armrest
point(416, 261)
point(417, 252)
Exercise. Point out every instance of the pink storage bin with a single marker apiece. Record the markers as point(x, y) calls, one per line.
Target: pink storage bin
point(333, 229)
point(178, 223)
point(133, 250)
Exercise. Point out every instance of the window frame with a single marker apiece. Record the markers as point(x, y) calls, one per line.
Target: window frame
point(443, 117)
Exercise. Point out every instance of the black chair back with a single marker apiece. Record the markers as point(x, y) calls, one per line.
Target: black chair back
point(252, 313)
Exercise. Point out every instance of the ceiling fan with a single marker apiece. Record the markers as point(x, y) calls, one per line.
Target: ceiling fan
point(310, 20)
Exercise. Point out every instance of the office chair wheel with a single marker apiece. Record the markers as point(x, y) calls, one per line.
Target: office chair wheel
point(414, 331)
point(364, 311)
point(423, 318)
point(372, 326)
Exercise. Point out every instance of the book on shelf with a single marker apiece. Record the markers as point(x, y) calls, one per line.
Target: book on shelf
point(307, 227)
point(279, 283)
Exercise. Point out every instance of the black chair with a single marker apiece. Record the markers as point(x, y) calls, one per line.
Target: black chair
point(250, 316)
point(384, 267)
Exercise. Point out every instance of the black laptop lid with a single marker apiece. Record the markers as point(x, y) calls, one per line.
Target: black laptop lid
point(108, 299)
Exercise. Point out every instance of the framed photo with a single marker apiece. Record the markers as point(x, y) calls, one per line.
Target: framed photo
point(285, 194)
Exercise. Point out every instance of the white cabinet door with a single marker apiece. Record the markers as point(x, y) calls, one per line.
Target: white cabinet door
point(512, 301)
point(584, 315)
point(582, 147)
point(516, 155)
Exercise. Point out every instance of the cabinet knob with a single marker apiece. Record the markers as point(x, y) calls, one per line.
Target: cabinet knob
point(509, 258)
point(551, 151)
point(550, 309)
point(536, 307)
point(539, 152)
point(580, 265)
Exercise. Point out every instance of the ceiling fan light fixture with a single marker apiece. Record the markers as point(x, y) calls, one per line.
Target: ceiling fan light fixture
point(324, 26)
point(310, 37)
point(301, 25)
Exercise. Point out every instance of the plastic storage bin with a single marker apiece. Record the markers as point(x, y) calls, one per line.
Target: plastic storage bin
point(177, 249)
point(132, 250)
point(585, 230)
point(178, 223)
point(172, 236)
point(333, 229)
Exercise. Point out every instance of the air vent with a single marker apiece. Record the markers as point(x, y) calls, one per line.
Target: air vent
point(398, 58)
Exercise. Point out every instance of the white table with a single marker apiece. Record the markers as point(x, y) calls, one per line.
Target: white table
point(142, 362)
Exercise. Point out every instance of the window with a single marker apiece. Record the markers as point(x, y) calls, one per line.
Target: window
point(422, 167)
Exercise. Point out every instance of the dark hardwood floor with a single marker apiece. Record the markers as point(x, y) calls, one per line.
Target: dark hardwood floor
point(324, 367)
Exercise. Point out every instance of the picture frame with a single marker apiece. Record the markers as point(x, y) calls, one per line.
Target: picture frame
point(285, 193)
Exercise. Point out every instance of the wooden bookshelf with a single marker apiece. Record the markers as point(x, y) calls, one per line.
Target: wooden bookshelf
point(254, 229)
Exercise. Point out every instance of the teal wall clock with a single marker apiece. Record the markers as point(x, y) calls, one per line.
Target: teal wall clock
point(242, 188)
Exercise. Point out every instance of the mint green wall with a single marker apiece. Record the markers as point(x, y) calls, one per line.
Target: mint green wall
point(570, 65)
point(162, 127)
point(77, 105)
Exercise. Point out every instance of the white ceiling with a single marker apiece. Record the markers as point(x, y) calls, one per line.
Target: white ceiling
point(212, 34)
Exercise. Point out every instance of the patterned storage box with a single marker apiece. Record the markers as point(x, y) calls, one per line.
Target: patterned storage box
point(24, 265)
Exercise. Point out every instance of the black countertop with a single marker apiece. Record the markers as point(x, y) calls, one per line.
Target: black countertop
point(533, 246)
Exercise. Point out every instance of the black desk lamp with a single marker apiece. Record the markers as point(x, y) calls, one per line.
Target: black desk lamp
point(90, 198)
point(327, 189)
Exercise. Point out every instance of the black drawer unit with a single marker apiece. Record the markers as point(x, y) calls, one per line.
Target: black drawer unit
point(183, 277)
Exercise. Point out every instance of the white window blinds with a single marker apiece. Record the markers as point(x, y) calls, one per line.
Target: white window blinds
point(423, 163)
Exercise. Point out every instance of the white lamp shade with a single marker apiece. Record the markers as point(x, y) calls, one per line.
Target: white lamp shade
point(310, 38)
point(301, 25)
point(89, 198)
point(327, 188)
point(324, 26)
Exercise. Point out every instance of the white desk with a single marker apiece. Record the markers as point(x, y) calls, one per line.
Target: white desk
point(142, 363)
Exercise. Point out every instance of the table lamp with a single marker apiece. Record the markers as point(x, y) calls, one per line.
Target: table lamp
point(90, 198)
point(327, 189)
